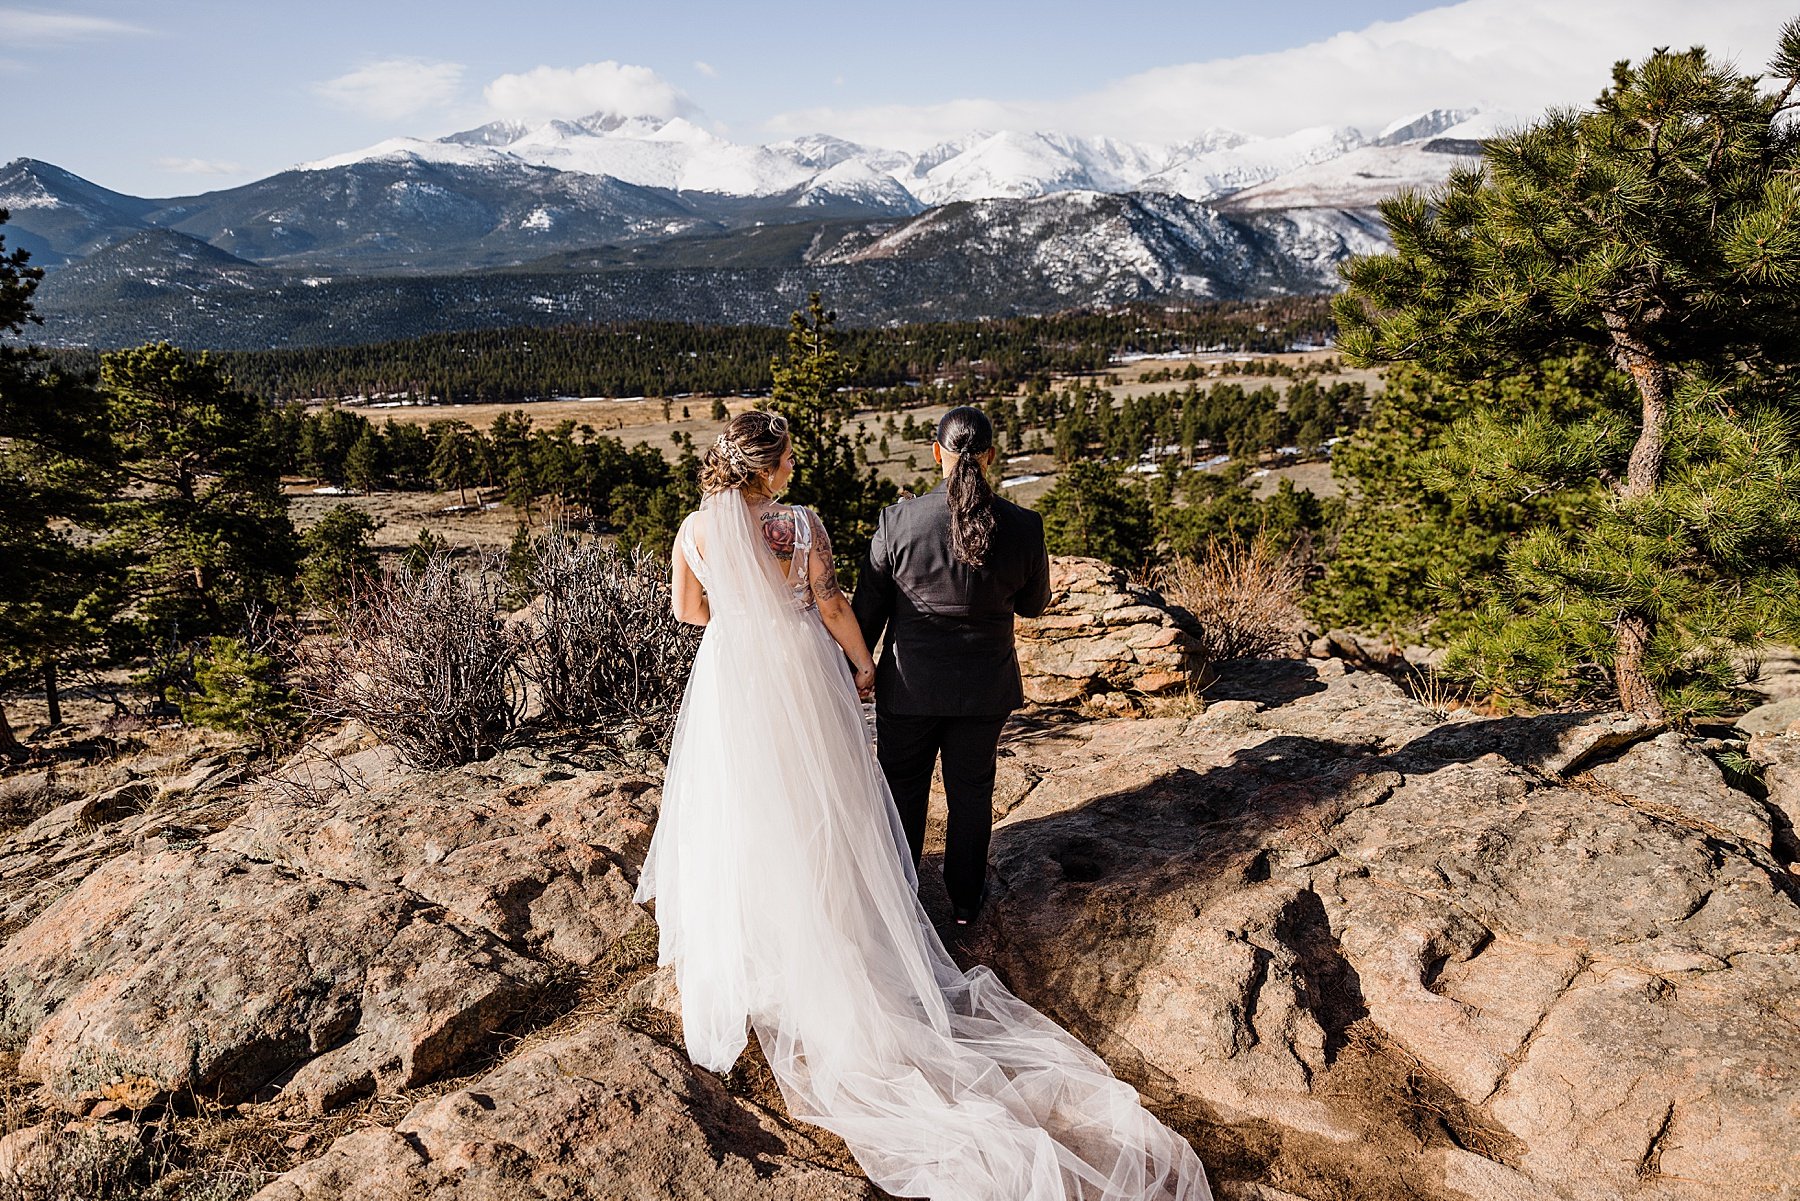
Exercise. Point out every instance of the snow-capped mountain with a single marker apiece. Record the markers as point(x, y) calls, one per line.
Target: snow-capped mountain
point(58, 216)
point(1221, 170)
point(679, 156)
point(1429, 124)
point(853, 181)
point(954, 262)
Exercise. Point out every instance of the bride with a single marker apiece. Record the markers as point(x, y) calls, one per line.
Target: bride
point(786, 896)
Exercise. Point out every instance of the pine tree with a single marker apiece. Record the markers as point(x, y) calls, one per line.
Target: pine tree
point(337, 555)
point(1661, 229)
point(808, 384)
point(205, 525)
point(514, 467)
point(240, 689)
point(459, 457)
point(1416, 543)
point(365, 466)
point(1092, 511)
point(426, 547)
point(57, 591)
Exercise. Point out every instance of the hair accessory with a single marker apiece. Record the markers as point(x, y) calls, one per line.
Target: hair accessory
point(732, 453)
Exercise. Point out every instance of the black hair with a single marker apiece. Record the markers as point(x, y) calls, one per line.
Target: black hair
point(966, 432)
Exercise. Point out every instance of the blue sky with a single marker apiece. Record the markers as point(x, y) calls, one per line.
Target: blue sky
point(180, 96)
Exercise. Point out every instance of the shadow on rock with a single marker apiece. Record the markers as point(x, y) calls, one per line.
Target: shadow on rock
point(1267, 681)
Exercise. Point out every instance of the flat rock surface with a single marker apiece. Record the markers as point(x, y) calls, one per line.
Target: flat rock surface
point(1570, 935)
point(336, 927)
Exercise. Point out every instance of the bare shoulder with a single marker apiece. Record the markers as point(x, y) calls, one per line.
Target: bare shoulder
point(694, 530)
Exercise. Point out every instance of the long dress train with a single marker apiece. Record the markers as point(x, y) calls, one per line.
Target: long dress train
point(786, 899)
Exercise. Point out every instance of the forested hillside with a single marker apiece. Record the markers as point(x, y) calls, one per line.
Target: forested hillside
point(652, 358)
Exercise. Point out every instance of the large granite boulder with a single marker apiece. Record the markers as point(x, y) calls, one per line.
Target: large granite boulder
point(198, 969)
point(1779, 759)
point(1103, 634)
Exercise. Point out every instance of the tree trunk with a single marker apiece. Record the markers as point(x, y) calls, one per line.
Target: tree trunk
point(52, 697)
point(1643, 475)
point(1631, 351)
point(1636, 694)
point(10, 747)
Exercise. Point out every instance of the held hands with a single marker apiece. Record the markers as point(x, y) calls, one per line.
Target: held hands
point(865, 680)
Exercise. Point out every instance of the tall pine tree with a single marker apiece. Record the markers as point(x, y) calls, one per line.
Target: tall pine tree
point(56, 593)
point(1662, 229)
point(205, 525)
point(827, 477)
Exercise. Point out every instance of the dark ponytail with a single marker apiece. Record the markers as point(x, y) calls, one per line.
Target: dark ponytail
point(966, 432)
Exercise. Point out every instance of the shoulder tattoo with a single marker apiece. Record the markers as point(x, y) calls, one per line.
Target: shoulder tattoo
point(778, 532)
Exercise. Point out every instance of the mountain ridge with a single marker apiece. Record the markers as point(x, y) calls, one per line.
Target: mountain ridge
point(967, 260)
point(997, 223)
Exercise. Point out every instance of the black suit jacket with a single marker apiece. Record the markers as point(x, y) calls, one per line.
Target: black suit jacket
point(949, 649)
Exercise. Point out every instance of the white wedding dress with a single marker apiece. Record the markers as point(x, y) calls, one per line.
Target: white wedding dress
point(786, 900)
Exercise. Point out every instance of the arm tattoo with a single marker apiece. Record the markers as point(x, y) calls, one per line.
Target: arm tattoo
point(825, 579)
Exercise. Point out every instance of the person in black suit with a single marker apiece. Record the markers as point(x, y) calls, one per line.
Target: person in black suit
point(946, 574)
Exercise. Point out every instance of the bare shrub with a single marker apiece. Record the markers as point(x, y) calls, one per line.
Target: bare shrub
point(601, 644)
point(425, 659)
point(1245, 595)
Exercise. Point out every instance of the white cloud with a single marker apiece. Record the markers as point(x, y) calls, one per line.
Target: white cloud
point(199, 166)
point(27, 27)
point(620, 88)
point(392, 88)
point(1519, 55)
point(706, 69)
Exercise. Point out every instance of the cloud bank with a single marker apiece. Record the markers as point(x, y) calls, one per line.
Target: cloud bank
point(546, 92)
point(392, 88)
point(1517, 55)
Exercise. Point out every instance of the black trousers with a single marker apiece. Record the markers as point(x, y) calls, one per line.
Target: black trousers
point(908, 746)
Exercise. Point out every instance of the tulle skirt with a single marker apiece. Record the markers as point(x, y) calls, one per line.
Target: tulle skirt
point(786, 902)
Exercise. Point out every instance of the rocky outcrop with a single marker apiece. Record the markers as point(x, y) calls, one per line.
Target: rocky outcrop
point(1102, 635)
point(1779, 760)
point(1350, 946)
point(1415, 955)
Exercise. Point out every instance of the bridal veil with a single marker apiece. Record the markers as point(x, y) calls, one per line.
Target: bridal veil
point(785, 898)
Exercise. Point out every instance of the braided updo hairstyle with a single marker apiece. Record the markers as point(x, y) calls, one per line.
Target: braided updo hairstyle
point(750, 447)
point(966, 432)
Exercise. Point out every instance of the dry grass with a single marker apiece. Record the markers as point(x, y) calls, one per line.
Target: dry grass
point(1245, 596)
point(1438, 694)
